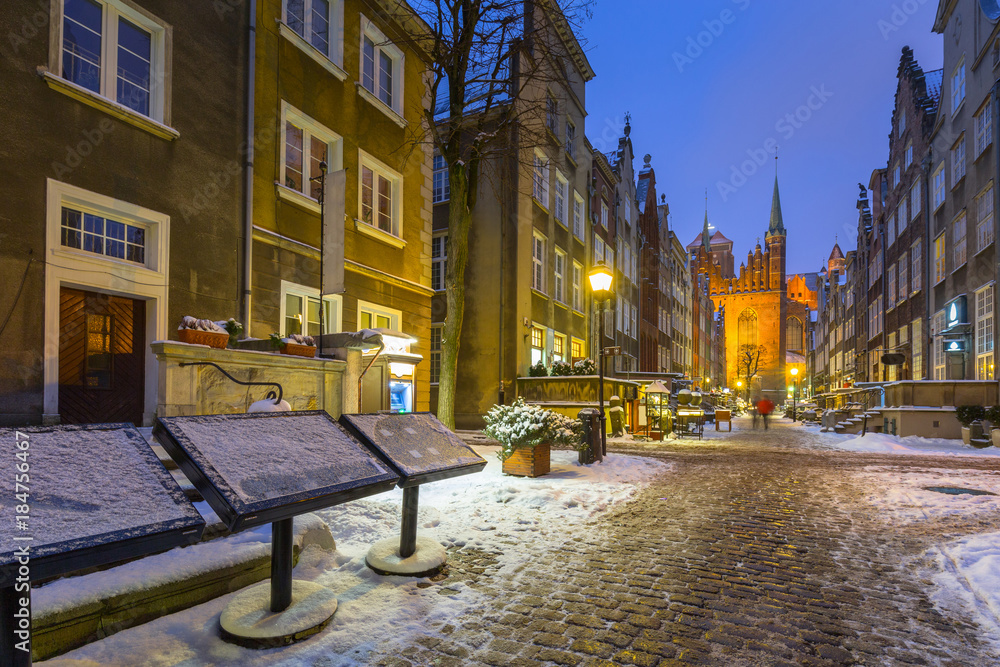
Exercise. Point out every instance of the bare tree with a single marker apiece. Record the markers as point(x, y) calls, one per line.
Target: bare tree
point(748, 363)
point(490, 62)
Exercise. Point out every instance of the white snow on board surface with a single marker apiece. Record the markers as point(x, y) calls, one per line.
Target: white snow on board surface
point(517, 519)
point(878, 443)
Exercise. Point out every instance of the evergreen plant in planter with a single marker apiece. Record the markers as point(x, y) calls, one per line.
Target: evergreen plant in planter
point(993, 417)
point(526, 434)
point(971, 418)
point(538, 371)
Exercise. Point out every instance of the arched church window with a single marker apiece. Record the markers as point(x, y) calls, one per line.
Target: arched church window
point(747, 328)
point(793, 335)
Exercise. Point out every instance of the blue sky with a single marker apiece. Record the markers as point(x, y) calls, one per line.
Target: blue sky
point(700, 110)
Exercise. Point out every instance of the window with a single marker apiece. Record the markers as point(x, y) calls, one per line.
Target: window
point(381, 190)
point(576, 349)
point(598, 249)
point(540, 182)
point(939, 263)
point(577, 215)
point(937, 345)
point(904, 288)
point(903, 215)
point(609, 256)
point(90, 232)
point(317, 22)
point(916, 265)
point(306, 144)
point(901, 125)
point(570, 139)
point(381, 67)
point(892, 285)
point(114, 51)
point(958, 240)
point(373, 316)
point(915, 200)
point(958, 86)
point(436, 330)
point(439, 261)
point(908, 159)
point(538, 263)
point(558, 347)
point(746, 333)
point(442, 184)
point(984, 333)
point(917, 350)
point(577, 286)
point(300, 310)
point(958, 161)
point(984, 214)
point(793, 335)
point(537, 345)
point(890, 229)
point(938, 186)
point(552, 115)
point(604, 215)
point(984, 127)
point(562, 188)
point(559, 276)
point(895, 176)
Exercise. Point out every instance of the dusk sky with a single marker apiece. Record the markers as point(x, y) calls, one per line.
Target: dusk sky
point(698, 115)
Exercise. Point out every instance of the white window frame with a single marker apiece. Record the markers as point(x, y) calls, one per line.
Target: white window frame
point(333, 318)
point(938, 181)
point(984, 219)
point(984, 126)
point(908, 155)
point(917, 350)
point(960, 240)
point(538, 261)
point(985, 332)
point(560, 210)
point(540, 179)
point(577, 286)
point(161, 38)
point(382, 44)
point(333, 58)
point(310, 128)
point(559, 275)
point(380, 168)
point(570, 139)
point(435, 345)
point(890, 229)
point(958, 166)
point(598, 249)
point(903, 277)
point(579, 212)
point(67, 267)
point(395, 316)
point(605, 211)
point(940, 258)
point(916, 200)
point(958, 86)
point(441, 191)
point(938, 356)
point(439, 258)
point(916, 266)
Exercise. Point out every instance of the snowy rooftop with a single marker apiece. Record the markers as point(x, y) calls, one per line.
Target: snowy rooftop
point(89, 486)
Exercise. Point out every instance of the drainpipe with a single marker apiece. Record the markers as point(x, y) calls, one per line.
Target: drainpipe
point(248, 170)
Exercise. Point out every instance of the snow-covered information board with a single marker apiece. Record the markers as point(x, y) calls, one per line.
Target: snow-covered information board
point(263, 467)
point(82, 496)
point(416, 444)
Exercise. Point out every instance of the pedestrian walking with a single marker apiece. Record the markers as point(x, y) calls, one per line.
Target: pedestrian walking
point(765, 408)
point(754, 413)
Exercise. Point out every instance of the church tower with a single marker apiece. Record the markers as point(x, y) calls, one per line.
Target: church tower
point(775, 240)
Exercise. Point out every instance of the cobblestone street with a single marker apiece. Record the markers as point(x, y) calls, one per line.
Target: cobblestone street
point(752, 551)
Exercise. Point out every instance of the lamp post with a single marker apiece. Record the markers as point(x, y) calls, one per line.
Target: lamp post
point(739, 388)
point(600, 284)
point(795, 390)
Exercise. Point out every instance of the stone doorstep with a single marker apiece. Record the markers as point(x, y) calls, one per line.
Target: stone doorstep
point(56, 633)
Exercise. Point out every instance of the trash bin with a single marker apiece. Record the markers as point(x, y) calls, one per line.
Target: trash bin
point(591, 420)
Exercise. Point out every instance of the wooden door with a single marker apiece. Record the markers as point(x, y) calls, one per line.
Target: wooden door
point(102, 342)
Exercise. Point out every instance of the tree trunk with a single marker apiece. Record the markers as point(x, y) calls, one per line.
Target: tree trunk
point(459, 221)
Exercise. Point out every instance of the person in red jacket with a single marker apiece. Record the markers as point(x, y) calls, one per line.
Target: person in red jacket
point(765, 408)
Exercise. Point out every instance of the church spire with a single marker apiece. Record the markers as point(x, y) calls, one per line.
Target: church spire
point(777, 226)
point(705, 239)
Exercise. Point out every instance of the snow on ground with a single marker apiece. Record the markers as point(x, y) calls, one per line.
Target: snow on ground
point(517, 519)
point(880, 443)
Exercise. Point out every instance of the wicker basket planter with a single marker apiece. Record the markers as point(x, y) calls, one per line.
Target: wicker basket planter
point(298, 350)
point(197, 337)
point(528, 462)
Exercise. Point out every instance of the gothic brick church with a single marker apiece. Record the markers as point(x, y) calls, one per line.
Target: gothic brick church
point(765, 327)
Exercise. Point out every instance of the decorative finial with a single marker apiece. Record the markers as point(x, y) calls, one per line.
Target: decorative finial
point(628, 123)
point(646, 160)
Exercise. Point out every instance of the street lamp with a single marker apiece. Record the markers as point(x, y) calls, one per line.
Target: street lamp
point(739, 387)
point(795, 390)
point(600, 284)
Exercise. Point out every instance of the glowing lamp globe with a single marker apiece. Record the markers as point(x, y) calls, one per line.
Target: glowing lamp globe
point(600, 278)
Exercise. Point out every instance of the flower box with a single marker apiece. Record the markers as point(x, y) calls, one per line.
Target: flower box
point(214, 339)
point(528, 461)
point(298, 350)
